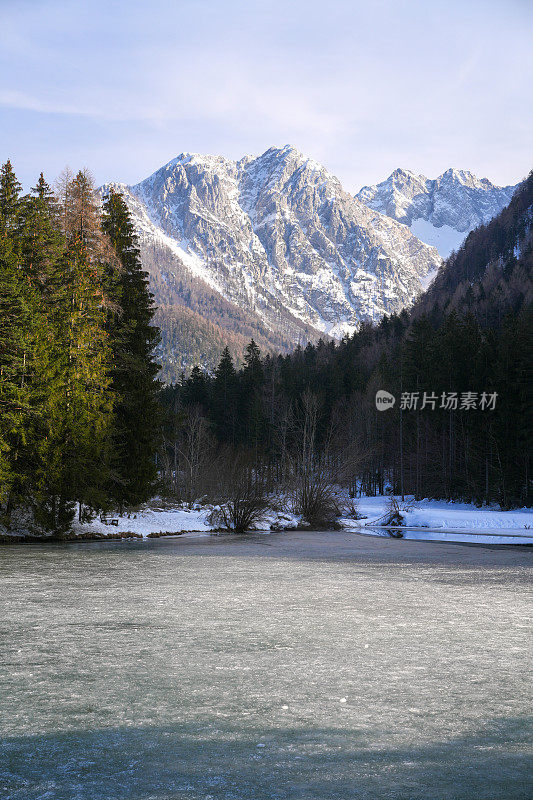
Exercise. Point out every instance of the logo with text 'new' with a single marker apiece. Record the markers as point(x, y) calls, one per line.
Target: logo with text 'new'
point(384, 400)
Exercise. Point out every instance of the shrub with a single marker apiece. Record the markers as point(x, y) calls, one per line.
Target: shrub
point(393, 515)
point(314, 499)
point(243, 496)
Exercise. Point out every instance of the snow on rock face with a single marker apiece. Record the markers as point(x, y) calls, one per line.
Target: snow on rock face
point(279, 235)
point(444, 238)
point(441, 212)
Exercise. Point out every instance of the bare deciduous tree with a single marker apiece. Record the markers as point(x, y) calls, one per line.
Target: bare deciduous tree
point(242, 493)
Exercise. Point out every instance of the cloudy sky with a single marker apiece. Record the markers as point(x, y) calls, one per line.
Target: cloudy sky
point(364, 87)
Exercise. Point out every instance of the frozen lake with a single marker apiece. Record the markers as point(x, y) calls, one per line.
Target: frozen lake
point(298, 665)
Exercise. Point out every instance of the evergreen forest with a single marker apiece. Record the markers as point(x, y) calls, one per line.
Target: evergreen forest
point(79, 393)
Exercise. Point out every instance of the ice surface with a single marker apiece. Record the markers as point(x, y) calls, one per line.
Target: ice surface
point(217, 668)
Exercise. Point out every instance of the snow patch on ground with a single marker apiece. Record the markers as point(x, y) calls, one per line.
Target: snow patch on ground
point(447, 521)
point(426, 281)
point(444, 239)
point(152, 520)
point(178, 519)
point(435, 519)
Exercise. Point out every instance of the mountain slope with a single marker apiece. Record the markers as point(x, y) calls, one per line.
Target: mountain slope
point(196, 320)
point(442, 211)
point(279, 239)
point(492, 273)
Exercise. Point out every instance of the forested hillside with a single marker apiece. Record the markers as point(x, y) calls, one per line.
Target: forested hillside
point(458, 365)
point(197, 322)
point(491, 274)
point(79, 410)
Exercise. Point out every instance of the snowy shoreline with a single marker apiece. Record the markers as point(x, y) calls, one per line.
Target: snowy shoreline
point(429, 520)
point(447, 521)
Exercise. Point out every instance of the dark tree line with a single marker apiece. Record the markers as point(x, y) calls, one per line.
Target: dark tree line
point(313, 412)
point(79, 408)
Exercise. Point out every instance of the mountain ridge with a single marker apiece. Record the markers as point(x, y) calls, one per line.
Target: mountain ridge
point(440, 211)
point(273, 245)
point(278, 237)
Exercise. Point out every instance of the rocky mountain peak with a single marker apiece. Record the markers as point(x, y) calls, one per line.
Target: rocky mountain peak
point(279, 236)
point(440, 211)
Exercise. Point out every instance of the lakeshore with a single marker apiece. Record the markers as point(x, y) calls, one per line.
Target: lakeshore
point(430, 520)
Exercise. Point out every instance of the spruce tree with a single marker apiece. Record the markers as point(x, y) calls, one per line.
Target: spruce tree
point(137, 419)
point(19, 314)
point(11, 202)
point(14, 399)
point(252, 380)
point(74, 453)
point(196, 389)
point(43, 191)
point(41, 241)
point(224, 403)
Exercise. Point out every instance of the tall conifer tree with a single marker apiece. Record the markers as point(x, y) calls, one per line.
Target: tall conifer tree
point(73, 463)
point(134, 375)
point(225, 394)
point(252, 379)
point(18, 319)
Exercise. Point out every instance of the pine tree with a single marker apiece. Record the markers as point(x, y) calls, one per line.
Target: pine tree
point(74, 453)
point(225, 394)
point(18, 321)
point(11, 202)
point(253, 420)
point(137, 421)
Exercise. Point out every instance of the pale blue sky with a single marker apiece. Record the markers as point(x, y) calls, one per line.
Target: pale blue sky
point(364, 87)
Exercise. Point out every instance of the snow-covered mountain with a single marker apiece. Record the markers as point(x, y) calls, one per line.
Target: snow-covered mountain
point(440, 211)
point(278, 237)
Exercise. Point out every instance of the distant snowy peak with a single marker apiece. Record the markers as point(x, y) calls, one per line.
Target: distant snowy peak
point(279, 236)
point(440, 211)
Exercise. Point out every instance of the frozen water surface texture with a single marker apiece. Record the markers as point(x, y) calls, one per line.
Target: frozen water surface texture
point(296, 665)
